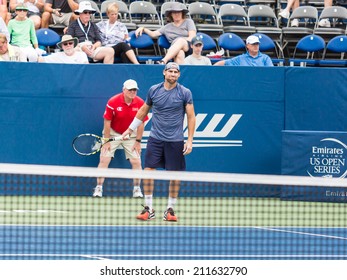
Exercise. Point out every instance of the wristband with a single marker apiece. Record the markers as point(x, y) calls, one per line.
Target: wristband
point(138, 140)
point(135, 124)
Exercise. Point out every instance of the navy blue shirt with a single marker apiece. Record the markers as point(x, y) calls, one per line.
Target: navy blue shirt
point(168, 110)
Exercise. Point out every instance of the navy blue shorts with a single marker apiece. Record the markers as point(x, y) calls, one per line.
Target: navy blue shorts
point(167, 155)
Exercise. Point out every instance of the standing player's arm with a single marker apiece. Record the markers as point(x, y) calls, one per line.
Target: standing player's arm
point(188, 146)
point(138, 120)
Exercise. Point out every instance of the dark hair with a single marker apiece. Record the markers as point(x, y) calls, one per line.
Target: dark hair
point(169, 15)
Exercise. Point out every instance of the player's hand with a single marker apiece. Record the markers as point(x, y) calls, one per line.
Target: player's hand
point(126, 134)
point(105, 148)
point(188, 148)
point(137, 147)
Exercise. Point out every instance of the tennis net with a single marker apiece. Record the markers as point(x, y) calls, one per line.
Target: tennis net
point(48, 212)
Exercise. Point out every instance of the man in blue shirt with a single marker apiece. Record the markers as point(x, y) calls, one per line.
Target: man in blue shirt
point(253, 57)
point(170, 102)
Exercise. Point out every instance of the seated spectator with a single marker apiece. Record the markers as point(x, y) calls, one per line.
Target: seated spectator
point(285, 13)
point(8, 52)
point(88, 35)
point(23, 34)
point(69, 53)
point(196, 58)
point(179, 32)
point(59, 12)
point(3, 29)
point(115, 34)
point(35, 8)
point(4, 14)
point(253, 57)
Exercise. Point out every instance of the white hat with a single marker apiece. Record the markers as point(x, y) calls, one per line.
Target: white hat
point(130, 84)
point(84, 6)
point(252, 40)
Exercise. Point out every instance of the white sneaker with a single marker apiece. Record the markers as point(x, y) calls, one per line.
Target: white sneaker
point(137, 193)
point(324, 23)
point(283, 14)
point(294, 23)
point(97, 191)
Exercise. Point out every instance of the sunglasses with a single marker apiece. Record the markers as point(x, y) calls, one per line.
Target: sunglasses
point(21, 10)
point(68, 44)
point(87, 12)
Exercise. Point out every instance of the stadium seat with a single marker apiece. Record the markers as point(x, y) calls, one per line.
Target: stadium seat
point(338, 19)
point(47, 38)
point(308, 50)
point(307, 17)
point(144, 46)
point(206, 19)
point(144, 13)
point(231, 42)
point(235, 20)
point(337, 45)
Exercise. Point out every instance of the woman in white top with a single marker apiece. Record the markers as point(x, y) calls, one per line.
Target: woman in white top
point(115, 34)
point(179, 32)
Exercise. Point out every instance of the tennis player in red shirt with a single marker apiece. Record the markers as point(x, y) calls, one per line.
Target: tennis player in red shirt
point(119, 113)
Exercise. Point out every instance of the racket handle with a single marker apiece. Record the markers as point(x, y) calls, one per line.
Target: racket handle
point(121, 138)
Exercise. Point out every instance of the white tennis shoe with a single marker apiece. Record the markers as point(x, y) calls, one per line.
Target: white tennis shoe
point(137, 193)
point(97, 191)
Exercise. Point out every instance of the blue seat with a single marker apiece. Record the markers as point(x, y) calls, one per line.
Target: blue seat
point(144, 46)
point(337, 45)
point(47, 38)
point(310, 47)
point(231, 42)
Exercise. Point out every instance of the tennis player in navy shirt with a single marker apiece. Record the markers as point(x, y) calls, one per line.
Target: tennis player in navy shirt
point(170, 102)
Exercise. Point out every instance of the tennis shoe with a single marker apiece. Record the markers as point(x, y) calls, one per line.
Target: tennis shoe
point(169, 215)
point(97, 191)
point(283, 14)
point(137, 193)
point(294, 23)
point(146, 214)
point(324, 23)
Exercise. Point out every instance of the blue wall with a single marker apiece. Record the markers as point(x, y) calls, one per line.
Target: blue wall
point(241, 111)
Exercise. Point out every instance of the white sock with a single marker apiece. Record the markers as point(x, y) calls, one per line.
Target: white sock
point(100, 186)
point(171, 202)
point(149, 201)
point(137, 188)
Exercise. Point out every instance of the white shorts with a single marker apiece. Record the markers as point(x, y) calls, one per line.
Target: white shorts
point(126, 144)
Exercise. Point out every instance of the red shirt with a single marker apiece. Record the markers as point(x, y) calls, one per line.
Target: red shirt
point(121, 114)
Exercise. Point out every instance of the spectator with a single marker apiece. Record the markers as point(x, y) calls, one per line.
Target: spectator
point(88, 35)
point(325, 22)
point(69, 53)
point(179, 32)
point(115, 34)
point(196, 58)
point(35, 8)
point(253, 57)
point(285, 13)
point(119, 113)
point(59, 12)
point(8, 52)
point(23, 35)
point(4, 30)
point(170, 102)
point(4, 14)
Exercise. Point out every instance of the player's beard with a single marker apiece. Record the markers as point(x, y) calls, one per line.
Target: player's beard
point(171, 81)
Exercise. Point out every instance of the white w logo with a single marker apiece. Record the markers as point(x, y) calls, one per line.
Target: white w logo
point(210, 131)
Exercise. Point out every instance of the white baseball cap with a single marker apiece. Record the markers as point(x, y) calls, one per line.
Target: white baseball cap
point(130, 84)
point(252, 40)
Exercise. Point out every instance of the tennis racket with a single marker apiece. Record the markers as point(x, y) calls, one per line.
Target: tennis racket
point(89, 144)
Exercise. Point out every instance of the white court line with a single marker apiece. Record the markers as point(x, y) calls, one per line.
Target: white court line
point(101, 256)
point(303, 233)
